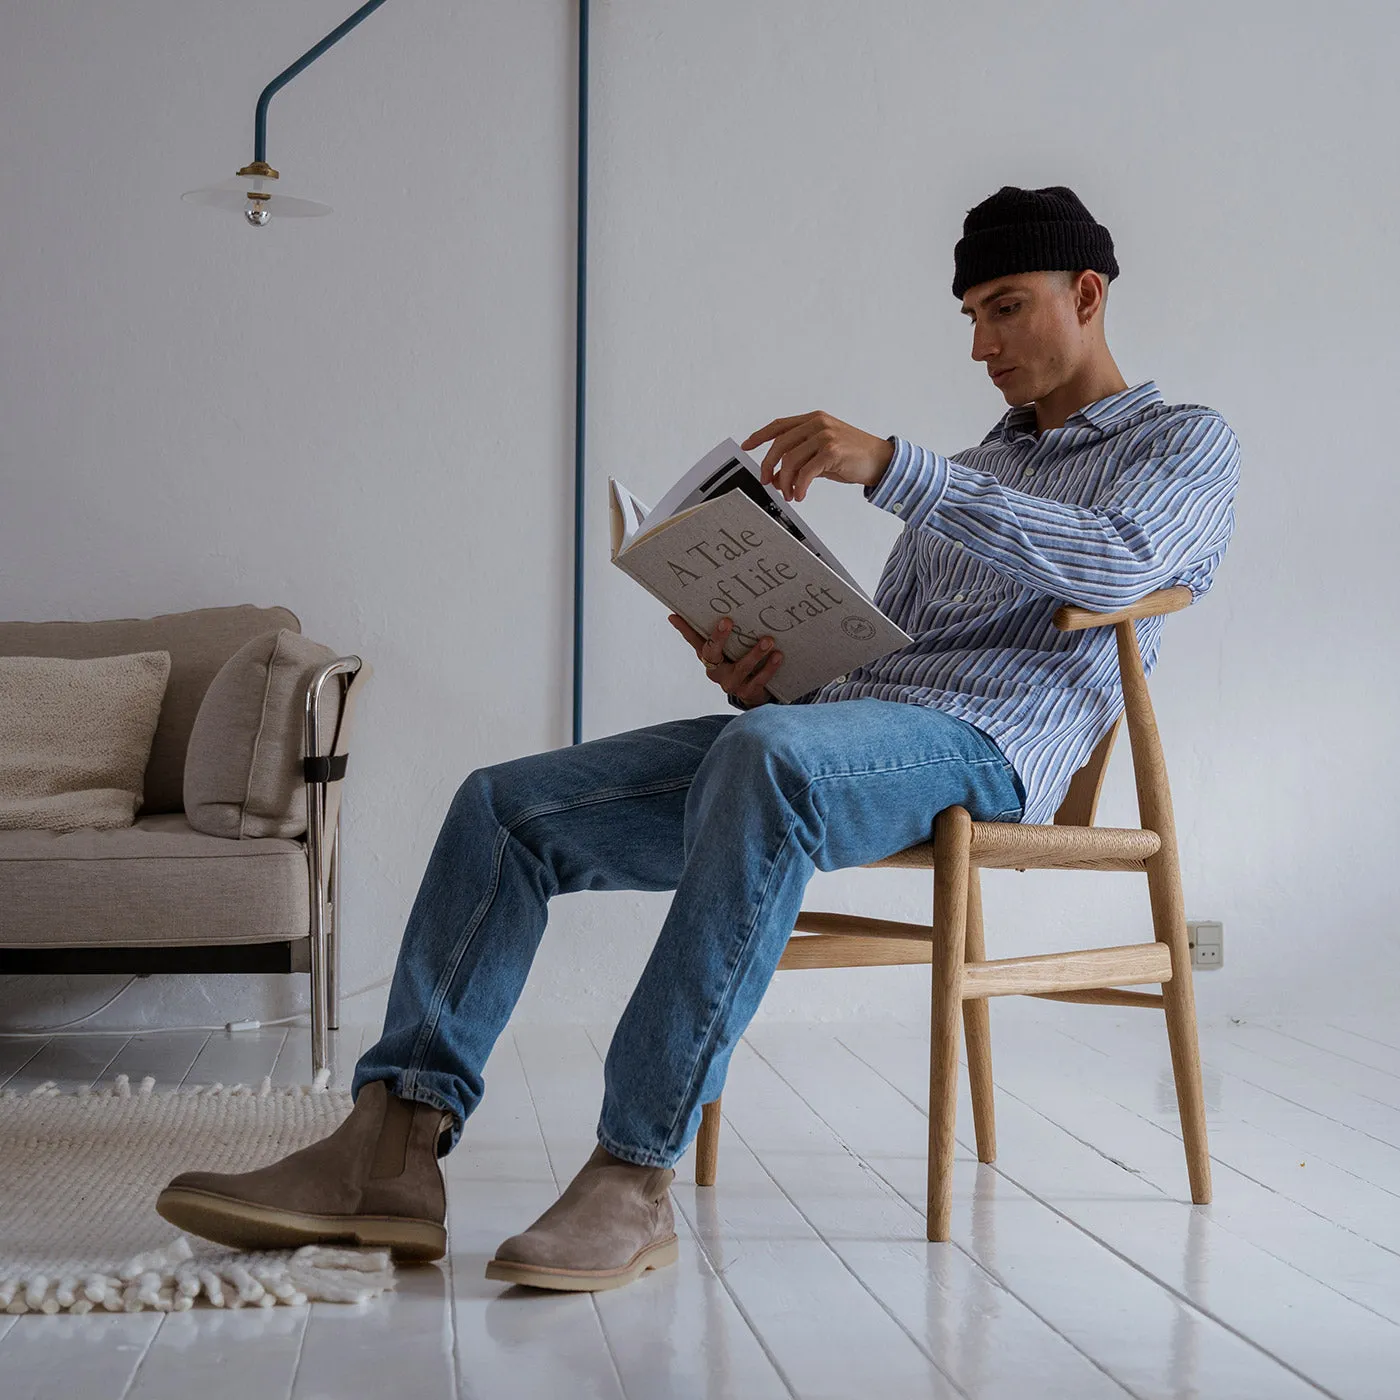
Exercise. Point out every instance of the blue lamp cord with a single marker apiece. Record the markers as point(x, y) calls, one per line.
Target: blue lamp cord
point(580, 359)
point(287, 74)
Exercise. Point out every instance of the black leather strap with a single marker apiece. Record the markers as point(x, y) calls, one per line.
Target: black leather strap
point(325, 770)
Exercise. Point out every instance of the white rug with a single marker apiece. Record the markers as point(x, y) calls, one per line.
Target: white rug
point(79, 1176)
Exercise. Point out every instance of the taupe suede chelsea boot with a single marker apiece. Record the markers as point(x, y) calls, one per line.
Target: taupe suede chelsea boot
point(375, 1181)
point(612, 1224)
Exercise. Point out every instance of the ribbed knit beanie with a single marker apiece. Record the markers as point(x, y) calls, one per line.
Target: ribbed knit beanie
point(1019, 230)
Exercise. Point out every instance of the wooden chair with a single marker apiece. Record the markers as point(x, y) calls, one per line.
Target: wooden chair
point(963, 978)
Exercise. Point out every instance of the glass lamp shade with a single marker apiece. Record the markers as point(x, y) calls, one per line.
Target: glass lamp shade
point(257, 198)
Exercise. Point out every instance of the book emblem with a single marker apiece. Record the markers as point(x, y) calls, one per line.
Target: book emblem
point(858, 628)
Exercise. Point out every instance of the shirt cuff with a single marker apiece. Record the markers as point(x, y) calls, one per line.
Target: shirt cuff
point(913, 485)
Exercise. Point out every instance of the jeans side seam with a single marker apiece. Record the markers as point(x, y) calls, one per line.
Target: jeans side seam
point(545, 809)
point(434, 1012)
point(723, 998)
point(906, 767)
point(878, 772)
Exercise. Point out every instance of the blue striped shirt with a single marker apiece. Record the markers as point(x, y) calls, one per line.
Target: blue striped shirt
point(1130, 495)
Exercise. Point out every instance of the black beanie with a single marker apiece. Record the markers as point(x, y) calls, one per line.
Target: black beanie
point(1018, 230)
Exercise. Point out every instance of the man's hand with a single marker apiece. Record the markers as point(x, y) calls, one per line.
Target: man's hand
point(745, 679)
point(816, 444)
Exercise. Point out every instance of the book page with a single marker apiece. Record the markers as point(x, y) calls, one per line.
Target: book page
point(728, 467)
point(626, 514)
point(728, 557)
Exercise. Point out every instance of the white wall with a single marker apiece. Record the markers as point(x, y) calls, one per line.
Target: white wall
point(353, 416)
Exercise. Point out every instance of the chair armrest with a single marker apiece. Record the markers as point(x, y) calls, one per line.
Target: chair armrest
point(1164, 600)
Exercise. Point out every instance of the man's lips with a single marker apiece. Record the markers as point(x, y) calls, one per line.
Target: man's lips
point(1000, 374)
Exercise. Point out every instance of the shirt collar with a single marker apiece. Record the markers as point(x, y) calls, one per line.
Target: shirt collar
point(1103, 414)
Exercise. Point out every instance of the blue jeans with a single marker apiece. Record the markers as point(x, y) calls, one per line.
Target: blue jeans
point(733, 812)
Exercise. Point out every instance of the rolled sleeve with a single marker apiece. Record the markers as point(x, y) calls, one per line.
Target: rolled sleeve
point(913, 485)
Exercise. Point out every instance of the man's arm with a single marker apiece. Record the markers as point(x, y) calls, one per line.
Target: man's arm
point(1171, 509)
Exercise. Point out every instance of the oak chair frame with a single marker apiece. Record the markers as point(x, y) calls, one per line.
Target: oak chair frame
point(962, 976)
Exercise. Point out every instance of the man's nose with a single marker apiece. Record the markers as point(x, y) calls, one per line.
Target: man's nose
point(984, 346)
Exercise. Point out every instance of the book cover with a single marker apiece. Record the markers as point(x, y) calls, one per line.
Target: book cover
point(728, 555)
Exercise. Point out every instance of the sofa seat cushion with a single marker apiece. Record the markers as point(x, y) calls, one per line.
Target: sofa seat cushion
point(154, 883)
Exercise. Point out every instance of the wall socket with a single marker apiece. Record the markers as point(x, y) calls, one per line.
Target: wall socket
point(1207, 940)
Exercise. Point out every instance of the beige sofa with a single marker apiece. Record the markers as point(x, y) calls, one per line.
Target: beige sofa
point(159, 896)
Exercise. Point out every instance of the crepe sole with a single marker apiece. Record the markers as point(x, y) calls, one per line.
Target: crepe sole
point(244, 1225)
point(654, 1256)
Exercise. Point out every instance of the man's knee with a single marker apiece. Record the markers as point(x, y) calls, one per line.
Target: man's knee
point(762, 746)
point(504, 790)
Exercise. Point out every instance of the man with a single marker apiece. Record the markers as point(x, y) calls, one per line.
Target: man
point(1087, 491)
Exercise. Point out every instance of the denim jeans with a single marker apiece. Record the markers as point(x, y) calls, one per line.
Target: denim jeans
point(734, 812)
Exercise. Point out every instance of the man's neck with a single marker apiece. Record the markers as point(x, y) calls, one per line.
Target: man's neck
point(1095, 381)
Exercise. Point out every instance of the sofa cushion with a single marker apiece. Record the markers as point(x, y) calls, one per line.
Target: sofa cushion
point(153, 883)
point(75, 737)
point(243, 768)
point(198, 642)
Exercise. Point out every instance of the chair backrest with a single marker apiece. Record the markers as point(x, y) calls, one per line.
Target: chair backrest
point(1081, 799)
point(1149, 766)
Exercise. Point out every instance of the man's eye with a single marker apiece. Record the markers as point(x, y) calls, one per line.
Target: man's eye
point(1008, 308)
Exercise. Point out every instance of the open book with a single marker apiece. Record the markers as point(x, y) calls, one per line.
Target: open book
point(722, 544)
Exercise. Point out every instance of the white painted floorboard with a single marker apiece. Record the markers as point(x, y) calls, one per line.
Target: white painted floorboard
point(1078, 1267)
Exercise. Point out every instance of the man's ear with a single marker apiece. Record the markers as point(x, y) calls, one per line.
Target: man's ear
point(1090, 290)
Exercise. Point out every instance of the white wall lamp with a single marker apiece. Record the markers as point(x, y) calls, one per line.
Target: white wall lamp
point(253, 191)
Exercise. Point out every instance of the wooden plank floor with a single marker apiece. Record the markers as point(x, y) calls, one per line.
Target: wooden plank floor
point(1077, 1267)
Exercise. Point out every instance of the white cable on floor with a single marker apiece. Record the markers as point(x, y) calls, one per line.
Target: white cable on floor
point(77, 1021)
point(30, 1032)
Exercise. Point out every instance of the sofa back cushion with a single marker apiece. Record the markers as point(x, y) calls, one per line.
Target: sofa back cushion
point(199, 643)
point(75, 737)
point(243, 771)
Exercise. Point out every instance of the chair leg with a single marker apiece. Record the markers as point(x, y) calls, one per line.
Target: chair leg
point(707, 1145)
point(952, 838)
point(1179, 1001)
point(977, 1030)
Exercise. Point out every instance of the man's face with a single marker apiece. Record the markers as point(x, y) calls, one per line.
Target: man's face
point(1026, 330)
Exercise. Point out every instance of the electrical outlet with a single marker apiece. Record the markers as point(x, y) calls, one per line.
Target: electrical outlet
point(1207, 940)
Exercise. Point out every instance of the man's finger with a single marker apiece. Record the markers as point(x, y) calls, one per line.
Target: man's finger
point(786, 477)
point(778, 425)
point(752, 664)
point(695, 638)
point(719, 634)
point(785, 443)
point(756, 685)
point(814, 468)
point(751, 660)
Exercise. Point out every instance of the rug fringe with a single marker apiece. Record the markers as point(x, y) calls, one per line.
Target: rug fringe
point(120, 1088)
point(173, 1279)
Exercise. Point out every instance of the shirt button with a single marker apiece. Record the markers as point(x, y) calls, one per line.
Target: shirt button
point(897, 507)
point(957, 544)
point(841, 680)
point(1029, 471)
point(960, 597)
